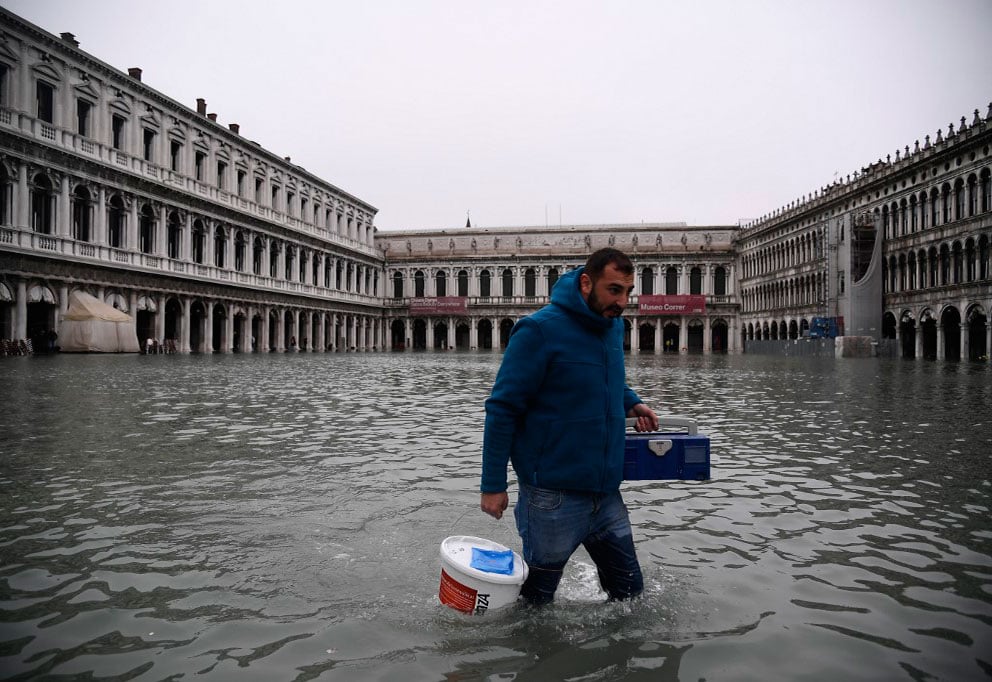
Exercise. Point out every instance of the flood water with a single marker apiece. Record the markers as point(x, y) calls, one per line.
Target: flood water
point(279, 517)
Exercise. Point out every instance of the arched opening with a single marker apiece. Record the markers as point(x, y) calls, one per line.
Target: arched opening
point(485, 284)
point(907, 332)
point(41, 312)
point(720, 281)
point(238, 341)
point(695, 281)
point(950, 322)
point(289, 340)
point(419, 334)
point(720, 336)
point(645, 337)
point(552, 278)
point(82, 211)
point(219, 323)
point(441, 283)
point(626, 334)
point(42, 205)
point(199, 241)
point(530, 283)
point(696, 332)
point(888, 326)
point(463, 283)
point(256, 333)
point(397, 335)
point(173, 322)
point(441, 335)
point(647, 281)
point(504, 332)
point(197, 318)
point(670, 337)
point(144, 322)
point(418, 283)
point(462, 335)
point(507, 282)
point(793, 330)
point(977, 326)
point(220, 247)
point(928, 328)
point(671, 281)
point(174, 234)
point(115, 222)
point(146, 229)
point(273, 340)
point(485, 333)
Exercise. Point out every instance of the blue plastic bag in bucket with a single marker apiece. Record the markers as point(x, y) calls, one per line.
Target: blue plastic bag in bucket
point(478, 575)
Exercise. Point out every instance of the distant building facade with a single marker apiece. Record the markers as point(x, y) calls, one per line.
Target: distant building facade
point(900, 251)
point(214, 244)
point(206, 238)
point(464, 288)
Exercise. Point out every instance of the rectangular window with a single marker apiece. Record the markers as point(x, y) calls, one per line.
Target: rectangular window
point(83, 109)
point(117, 132)
point(149, 144)
point(175, 154)
point(275, 198)
point(221, 172)
point(198, 165)
point(3, 84)
point(258, 190)
point(241, 183)
point(289, 202)
point(46, 102)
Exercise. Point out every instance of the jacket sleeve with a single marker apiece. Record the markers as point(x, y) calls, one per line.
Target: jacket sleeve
point(629, 398)
point(519, 379)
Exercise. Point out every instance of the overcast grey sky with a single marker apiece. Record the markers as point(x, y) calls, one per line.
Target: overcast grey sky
point(531, 112)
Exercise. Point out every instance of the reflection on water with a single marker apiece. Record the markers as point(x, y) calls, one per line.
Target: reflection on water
point(279, 517)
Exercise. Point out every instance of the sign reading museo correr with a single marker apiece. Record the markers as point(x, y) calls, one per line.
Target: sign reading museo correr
point(670, 305)
point(440, 305)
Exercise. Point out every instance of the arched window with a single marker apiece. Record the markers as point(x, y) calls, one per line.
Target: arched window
point(463, 283)
point(552, 278)
point(720, 281)
point(647, 281)
point(959, 199)
point(671, 281)
point(315, 269)
point(397, 285)
point(508, 282)
point(240, 251)
point(485, 284)
point(198, 245)
point(986, 190)
point(945, 265)
point(220, 247)
point(287, 273)
point(695, 281)
point(441, 283)
point(82, 207)
point(530, 283)
point(418, 284)
point(115, 222)
point(273, 259)
point(6, 186)
point(174, 235)
point(42, 205)
point(146, 233)
point(913, 220)
point(256, 256)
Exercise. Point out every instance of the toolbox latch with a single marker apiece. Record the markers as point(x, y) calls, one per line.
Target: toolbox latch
point(659, 447)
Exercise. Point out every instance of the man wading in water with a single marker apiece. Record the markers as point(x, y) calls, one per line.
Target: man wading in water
point(557, 413)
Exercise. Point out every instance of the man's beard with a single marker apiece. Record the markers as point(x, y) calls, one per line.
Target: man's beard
point(599, 309)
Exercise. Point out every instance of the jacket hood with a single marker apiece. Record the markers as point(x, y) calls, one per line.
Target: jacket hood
point(566, 294)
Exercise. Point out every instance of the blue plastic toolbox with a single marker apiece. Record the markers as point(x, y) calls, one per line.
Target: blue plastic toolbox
point(679, 453)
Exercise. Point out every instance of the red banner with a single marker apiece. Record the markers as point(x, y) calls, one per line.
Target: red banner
point(442, 305)
point(671, 305)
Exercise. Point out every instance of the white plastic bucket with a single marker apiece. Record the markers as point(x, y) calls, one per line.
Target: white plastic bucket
point(469, 589)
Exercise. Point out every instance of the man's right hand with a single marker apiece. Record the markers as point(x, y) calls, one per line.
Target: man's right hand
point(495, 504)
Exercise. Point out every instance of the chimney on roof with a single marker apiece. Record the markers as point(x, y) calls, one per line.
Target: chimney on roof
point(71, 39)
point(212, 117)
point(235, 128)
point(201, 106)
point(135, 73)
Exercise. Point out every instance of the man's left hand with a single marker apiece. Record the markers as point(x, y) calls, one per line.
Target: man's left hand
point(647, 420)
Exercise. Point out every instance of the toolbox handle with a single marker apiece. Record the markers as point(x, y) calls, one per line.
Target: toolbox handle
point(683, 422)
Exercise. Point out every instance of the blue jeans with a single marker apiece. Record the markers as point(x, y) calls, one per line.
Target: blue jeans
point(553, 523)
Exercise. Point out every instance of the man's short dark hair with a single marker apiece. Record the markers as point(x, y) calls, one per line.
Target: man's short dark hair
point(600, 259)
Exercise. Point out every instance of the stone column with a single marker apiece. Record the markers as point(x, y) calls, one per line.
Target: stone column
point(473, 333)
point(159, 318)
point(657, 336)
point(64, 214)
point(965, 342)
point(208, 332)
point(683, 335)
point(131, 228)
point(23, 199)
point(451, 332)
point(280, 331)
point(184, 327)
point(918, 351)
point(228, 345)
point(100, 219)
point(321, 332)
point(161, 233)
point(707, 335)
point(408, 334)
point(21, 311)
point(941, 350)
point(635, 335)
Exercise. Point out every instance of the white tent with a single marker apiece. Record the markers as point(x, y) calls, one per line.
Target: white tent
point(92, 326)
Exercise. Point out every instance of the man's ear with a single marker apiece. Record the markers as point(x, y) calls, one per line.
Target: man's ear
point(585, 284)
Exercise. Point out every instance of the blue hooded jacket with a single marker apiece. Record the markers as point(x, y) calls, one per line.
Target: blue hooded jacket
point(560, 398)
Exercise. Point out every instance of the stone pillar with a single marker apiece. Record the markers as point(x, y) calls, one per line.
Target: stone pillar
point(208, 331)
point(635, 335)
point(131, 227)
point(228, 345)
point(159, 318)
point(473, 333)
point(280, 331)
point(657, 336)
point(683, 335)
point(64, 214)
point(988, 340)
point(965, 342)
point(451, 333)
point(430, 333)
point(918, 351)
point(100, 219)
point(941, 350)
point(321, 332)
point(161, 233)
point(263, 330)
point(186, 242)
point(184, 327)
point(23, 199)
point(408, 334)
point(707, 335)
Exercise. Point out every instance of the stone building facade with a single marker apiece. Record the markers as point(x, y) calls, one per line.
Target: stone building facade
point(464, 288)
point(215, 244)
point(899, 250)
point(206, 238)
